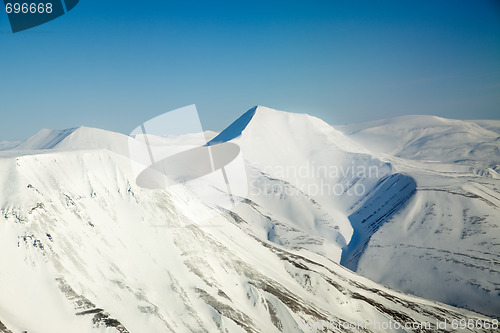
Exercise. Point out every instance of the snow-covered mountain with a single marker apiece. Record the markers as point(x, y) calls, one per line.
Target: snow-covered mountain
point(444, 244)
point(429, 138)
point(6, 145)
point(84, 249)
point(427, 222)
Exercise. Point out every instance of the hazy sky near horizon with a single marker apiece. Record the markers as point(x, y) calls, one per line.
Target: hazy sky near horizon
point(115, 64)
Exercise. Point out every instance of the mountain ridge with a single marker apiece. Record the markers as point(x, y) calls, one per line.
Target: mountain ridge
point(452, 194)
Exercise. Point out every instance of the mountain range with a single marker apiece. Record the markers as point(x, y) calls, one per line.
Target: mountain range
point(344, 228)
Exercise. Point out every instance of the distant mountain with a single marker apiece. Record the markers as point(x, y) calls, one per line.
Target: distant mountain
point(491, 125)
point(6, 145)
point(430, 138)
point(81, 138)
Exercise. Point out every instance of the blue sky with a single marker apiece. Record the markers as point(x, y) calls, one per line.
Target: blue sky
point(114, 64)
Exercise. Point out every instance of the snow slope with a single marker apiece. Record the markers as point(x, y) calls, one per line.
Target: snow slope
point(89, 251)
point(76, 139)
point(491, 125)
point(445, 243)
point(304, 174)
point(6, 145)
point(428, 138)
point(415, 157)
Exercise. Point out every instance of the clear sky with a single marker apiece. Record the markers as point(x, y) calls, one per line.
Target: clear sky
point(114, 64)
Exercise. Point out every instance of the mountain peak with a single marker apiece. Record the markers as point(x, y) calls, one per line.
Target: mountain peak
point(77, 138)
point(45, 139)
point(239, 125)
point(236, 128)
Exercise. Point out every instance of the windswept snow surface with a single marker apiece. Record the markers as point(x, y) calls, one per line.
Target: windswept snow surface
point(80, 138)
point(84, 249)
point(46, 139)
point(6, 145)
point(445, 243)
point(491, 125)
point(429, 138)
point(418, 162)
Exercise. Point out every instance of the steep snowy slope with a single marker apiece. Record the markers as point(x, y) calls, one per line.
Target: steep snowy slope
point(445, 243)
point(447, 234)
point(390, 195)
point(302, 159)
point(83, 249)
point(302, 152)
point(315, 181)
